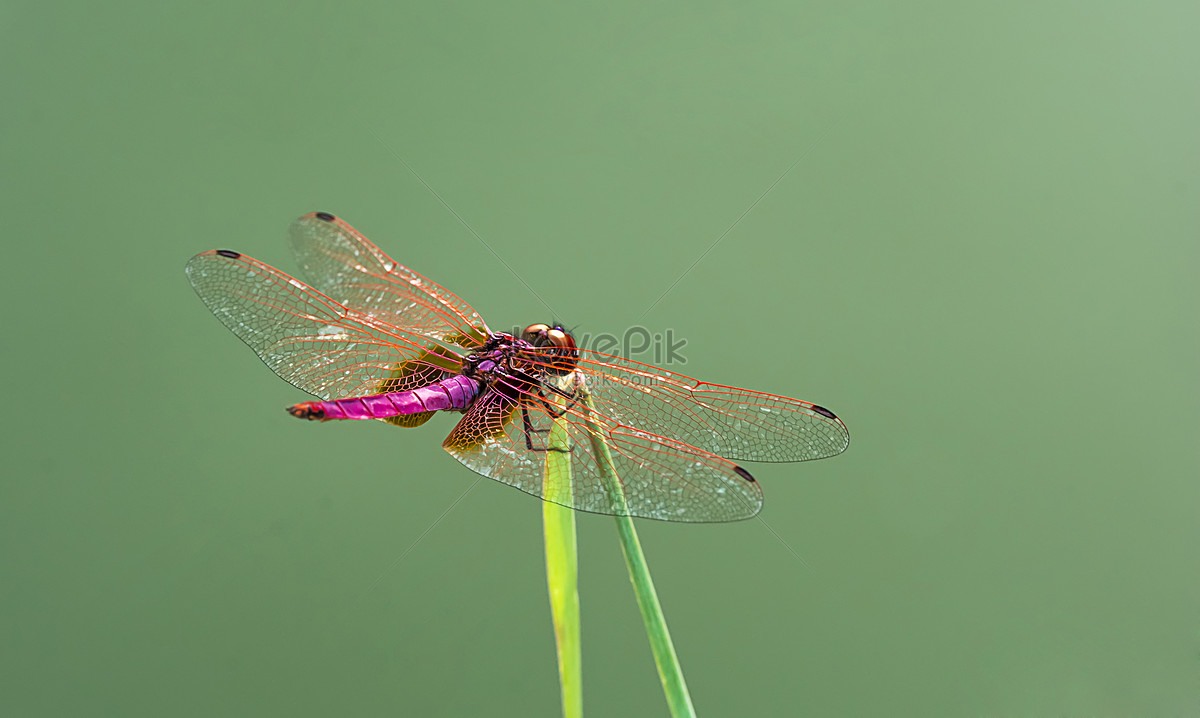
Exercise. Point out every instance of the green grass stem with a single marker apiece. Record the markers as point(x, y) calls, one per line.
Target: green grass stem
point(669, 670)
point(562, 570)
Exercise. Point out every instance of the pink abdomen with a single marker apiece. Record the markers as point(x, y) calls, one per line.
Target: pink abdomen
point(455, 392)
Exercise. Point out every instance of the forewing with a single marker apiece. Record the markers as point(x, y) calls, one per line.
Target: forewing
point(735, 423)
point(659, 477)
point(344, 265)
point(309, 340)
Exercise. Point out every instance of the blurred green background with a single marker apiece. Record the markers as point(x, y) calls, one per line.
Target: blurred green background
point(985, 260)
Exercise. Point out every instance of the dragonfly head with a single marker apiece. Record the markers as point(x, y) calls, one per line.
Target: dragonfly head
point(557, 343)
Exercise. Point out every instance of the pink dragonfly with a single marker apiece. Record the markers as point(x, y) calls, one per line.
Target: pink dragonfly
point(375, 340)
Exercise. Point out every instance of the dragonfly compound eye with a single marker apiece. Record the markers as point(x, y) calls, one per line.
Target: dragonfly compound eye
point(555, 341)
point(559, 338)
point(535, 334)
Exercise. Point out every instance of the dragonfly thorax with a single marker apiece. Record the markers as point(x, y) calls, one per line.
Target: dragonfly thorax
point(541, 352)
point(500, 355)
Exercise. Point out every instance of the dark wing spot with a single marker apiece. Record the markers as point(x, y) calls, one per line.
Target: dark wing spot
point(229, 254)
point(743, 473)
point(325, 216)
point(823, 411)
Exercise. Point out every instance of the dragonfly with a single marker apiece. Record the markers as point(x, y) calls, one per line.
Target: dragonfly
point(372, 339)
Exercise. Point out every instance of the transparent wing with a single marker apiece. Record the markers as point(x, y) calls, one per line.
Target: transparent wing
point(735, 423)
point(344, 265)
point(504, 436)
point(309, 340)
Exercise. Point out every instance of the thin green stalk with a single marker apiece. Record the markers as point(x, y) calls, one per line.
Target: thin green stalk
point(669, 670)
point(562, 570)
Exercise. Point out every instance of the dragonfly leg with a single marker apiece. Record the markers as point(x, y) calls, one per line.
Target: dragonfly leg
point(529, 431)
point(556, 414)
point(573, 396)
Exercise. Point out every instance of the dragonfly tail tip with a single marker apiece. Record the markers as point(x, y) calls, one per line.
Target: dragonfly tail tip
point(310, 410)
